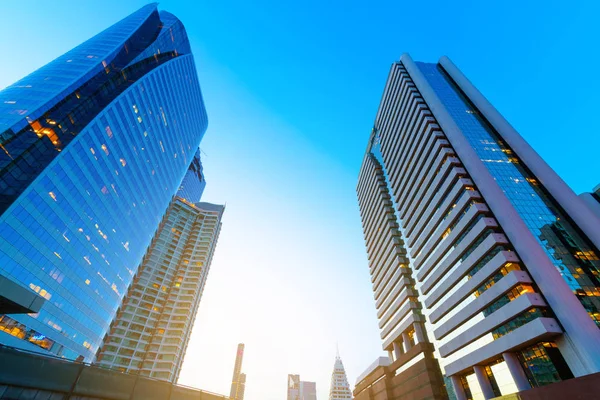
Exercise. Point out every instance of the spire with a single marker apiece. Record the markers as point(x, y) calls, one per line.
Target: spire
point(339, 389)
point(337, 350)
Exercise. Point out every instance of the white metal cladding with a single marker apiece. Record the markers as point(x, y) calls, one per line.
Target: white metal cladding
point(395, 297)
point(457, 247)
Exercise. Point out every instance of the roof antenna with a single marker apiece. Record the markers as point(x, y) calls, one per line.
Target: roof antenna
point(337, 350)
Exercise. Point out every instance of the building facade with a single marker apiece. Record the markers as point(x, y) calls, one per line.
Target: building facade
point(502, 253)
point(238, 382)
point(293, 387)
point(151, 331)
point(94, 146)
point(300, 390)
point(592, 200)
point(308, 390)
point(339, 389)
point(193, 183)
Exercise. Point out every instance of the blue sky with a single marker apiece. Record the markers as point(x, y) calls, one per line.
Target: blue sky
point(291, 90)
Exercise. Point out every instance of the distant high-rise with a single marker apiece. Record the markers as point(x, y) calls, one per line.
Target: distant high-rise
point(308, 390)
point(94, 147)
point(300, 390)
point(293, 387)
point(151, 331)
point(238, 382)
point(459, 211)
point(241, 387)
point(339, 388)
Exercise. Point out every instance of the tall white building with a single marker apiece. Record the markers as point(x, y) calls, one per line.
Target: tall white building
point(339, 389)
point(151, 330)
point(472, 236)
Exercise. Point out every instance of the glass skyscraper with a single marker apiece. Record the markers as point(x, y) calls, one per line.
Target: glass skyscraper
point(459, 211)
point(94, 146)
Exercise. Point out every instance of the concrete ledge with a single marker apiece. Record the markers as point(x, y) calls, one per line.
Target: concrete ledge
point(505, 284)
point(493, 321)
point(538, 330)
point(460, 249)
point(412, 318)
point(467, 289)
point(17, 299)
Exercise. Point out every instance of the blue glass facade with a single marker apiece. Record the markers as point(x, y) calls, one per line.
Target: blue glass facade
point(95, 144)
point(193, 183)
point(575, 258)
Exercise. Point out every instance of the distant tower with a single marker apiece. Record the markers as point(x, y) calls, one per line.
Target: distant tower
point(238, 382)
point(340, 390)
point(293, 387)
point(241, 387)
point(308, 390)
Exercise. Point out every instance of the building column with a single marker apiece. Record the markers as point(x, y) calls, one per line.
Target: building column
point(484, 382)
point(391, 356)
point(458, 389)
point(516, 371)
point(420, 333)
point(406, 341)
point(397, 350)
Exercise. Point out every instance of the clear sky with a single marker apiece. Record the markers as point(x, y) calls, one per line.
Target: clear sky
point(291, 90)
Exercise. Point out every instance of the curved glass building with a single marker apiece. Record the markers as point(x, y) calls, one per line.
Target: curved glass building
point(94, 145)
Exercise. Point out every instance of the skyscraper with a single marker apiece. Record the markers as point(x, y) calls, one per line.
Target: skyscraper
point(193, 183)
point(94, 146)
point(339, 388)
point(502, 253)
point(238, 382)
point(152, 329)
point(293, 387)
point(300, 390)
point(308, 390)
point(241, 387)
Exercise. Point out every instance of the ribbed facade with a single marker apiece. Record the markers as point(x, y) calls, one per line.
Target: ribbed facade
point(94, 147)
point(467, 204)
point(151, 332)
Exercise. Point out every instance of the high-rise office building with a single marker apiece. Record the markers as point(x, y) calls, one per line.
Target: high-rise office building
point(241, 387)
point(300, 390)
point(339, 388)
point(293, 387)
point(502, 253)
point(151, 331)
point(308, 390)
point(94, 146)
point(238, 382)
